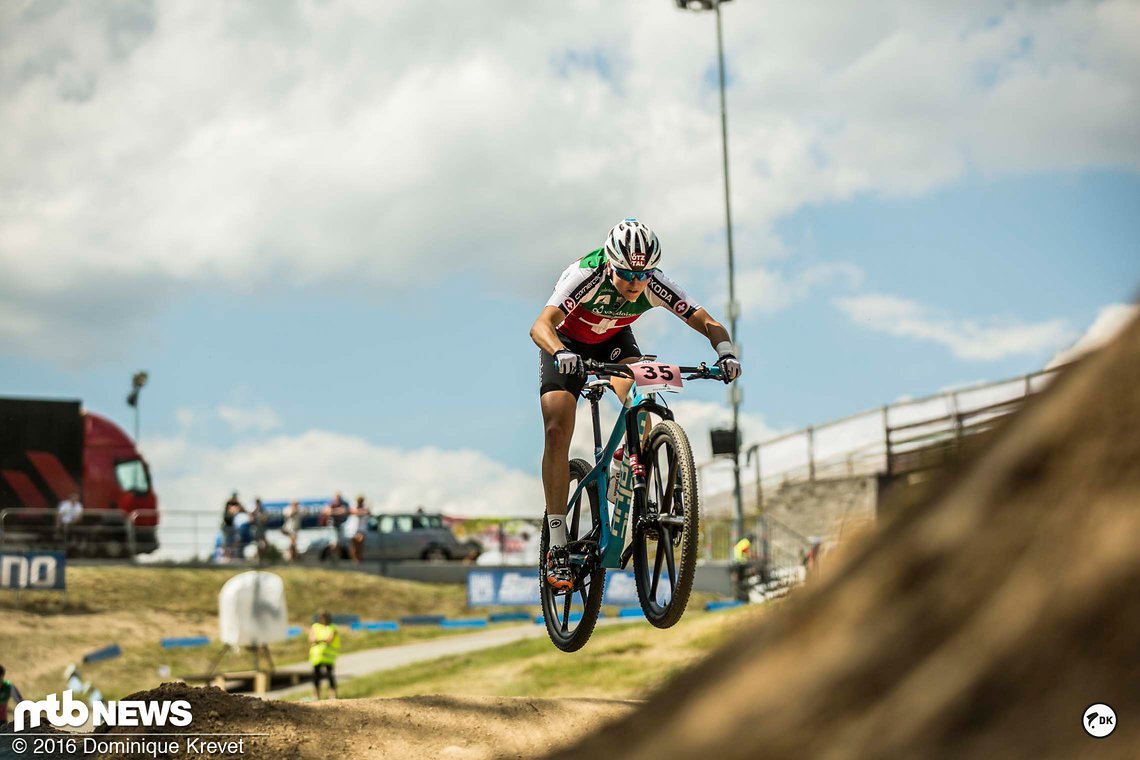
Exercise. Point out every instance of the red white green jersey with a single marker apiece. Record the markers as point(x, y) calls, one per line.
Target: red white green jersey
point(595, 310)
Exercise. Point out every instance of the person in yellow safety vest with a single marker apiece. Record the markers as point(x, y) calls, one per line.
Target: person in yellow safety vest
point(742, 551)
point(741, 564)
point(324, 638)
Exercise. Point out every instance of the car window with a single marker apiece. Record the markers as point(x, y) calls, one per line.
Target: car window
point(387, 524)
point(419, 522)
point(404, 523)
point(435, 521)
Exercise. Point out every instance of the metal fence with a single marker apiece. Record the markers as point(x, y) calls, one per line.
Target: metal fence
point(892, 439)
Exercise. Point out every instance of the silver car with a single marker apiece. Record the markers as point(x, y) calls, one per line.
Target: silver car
point(413, 536)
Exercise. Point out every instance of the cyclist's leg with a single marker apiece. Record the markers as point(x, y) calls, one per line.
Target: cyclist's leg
point(624, 350)
point(558, 422)
point(558, 397)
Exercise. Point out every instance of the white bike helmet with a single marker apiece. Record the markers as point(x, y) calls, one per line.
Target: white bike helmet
point(632, 245)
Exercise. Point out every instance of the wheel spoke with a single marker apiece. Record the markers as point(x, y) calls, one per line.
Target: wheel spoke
point(667, 500)
point(671, 565)
point(657, 568)
point(566, 610)
point(657, 476)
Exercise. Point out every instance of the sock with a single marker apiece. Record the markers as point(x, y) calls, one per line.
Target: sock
point(557, 525)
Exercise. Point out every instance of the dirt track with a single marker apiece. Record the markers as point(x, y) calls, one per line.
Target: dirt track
point(458, 728)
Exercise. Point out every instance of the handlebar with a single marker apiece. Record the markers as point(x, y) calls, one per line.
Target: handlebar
point(607, 369)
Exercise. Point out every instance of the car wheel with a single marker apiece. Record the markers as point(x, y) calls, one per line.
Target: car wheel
point(435, 554)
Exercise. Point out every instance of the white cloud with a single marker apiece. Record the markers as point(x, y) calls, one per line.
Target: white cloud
point(155, 148)
point(766, 290)
point(316, 463)
point(244, 419)
point(967, 339)
point(1108, 323)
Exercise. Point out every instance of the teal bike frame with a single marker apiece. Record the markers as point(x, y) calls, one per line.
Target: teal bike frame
point(630, 427)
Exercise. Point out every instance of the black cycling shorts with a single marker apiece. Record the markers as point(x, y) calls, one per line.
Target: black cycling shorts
point(621, 346)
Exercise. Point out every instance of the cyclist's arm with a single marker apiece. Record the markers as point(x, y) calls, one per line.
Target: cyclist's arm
point(702, 322)
point(543, 333)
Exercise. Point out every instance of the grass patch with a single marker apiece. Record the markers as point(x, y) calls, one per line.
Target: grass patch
point(136, 607)
point(621, 661)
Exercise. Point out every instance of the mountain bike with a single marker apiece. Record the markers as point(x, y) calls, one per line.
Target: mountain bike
point(656, 499)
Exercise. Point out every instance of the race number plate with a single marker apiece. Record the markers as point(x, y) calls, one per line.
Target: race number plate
point(652, 377)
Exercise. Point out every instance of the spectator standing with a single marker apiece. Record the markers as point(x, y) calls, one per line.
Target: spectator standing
point(742, 565)
point(8, 691)
point(336, 513)
point(292, 527)
point(67, 517)
point(257, 520)
point(229, 529)
point(324, 640)
point(354, 528)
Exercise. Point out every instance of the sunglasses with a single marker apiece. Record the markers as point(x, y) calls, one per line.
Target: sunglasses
point(629, 275)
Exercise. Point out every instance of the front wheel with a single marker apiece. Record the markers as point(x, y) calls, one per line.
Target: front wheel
point(666, 535)
point(570, 616)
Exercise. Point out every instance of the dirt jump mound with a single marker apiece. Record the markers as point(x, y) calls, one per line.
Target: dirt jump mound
point(981, 625)
point(458, 728)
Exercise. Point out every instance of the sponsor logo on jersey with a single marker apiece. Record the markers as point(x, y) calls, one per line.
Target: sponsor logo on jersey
point(681, 307)
point(615, 353)
point(569, 304)
point(662, 292)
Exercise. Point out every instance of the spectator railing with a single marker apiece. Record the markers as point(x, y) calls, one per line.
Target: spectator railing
point(893, 439)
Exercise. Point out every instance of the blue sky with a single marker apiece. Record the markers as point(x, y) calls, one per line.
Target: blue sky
point(326, 238)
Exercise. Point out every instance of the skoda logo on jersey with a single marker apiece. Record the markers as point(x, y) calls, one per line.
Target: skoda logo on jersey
point(615, 353)
point(660, 290)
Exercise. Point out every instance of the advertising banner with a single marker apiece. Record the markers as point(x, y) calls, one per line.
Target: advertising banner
point(34, 571)
point(511, 588)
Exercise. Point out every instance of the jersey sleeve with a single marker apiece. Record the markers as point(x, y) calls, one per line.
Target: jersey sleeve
point(576, 284)
point(662, 291)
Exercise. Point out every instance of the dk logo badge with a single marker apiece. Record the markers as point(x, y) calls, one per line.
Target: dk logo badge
point(1099, 720)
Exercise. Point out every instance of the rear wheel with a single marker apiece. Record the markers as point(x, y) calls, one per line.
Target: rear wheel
point(666, 536)
point(570, 616)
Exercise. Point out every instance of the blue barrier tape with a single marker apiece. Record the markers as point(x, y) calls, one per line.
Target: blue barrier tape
point(106, 653)
point(376, 625)
point(475, 623)
point(422, 619)
point(185, 642)
point(723, 605)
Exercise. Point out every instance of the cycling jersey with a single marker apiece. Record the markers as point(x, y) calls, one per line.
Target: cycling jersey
point(594, 309)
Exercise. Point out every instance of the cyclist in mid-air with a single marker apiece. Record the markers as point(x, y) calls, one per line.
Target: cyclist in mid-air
point(589, 316)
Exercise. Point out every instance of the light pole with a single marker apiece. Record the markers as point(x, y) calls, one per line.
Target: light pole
point(138, 380)
point(733, 309)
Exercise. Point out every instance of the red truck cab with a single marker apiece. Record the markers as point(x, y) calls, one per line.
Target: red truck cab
point(115, 476)
point(51, 448)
